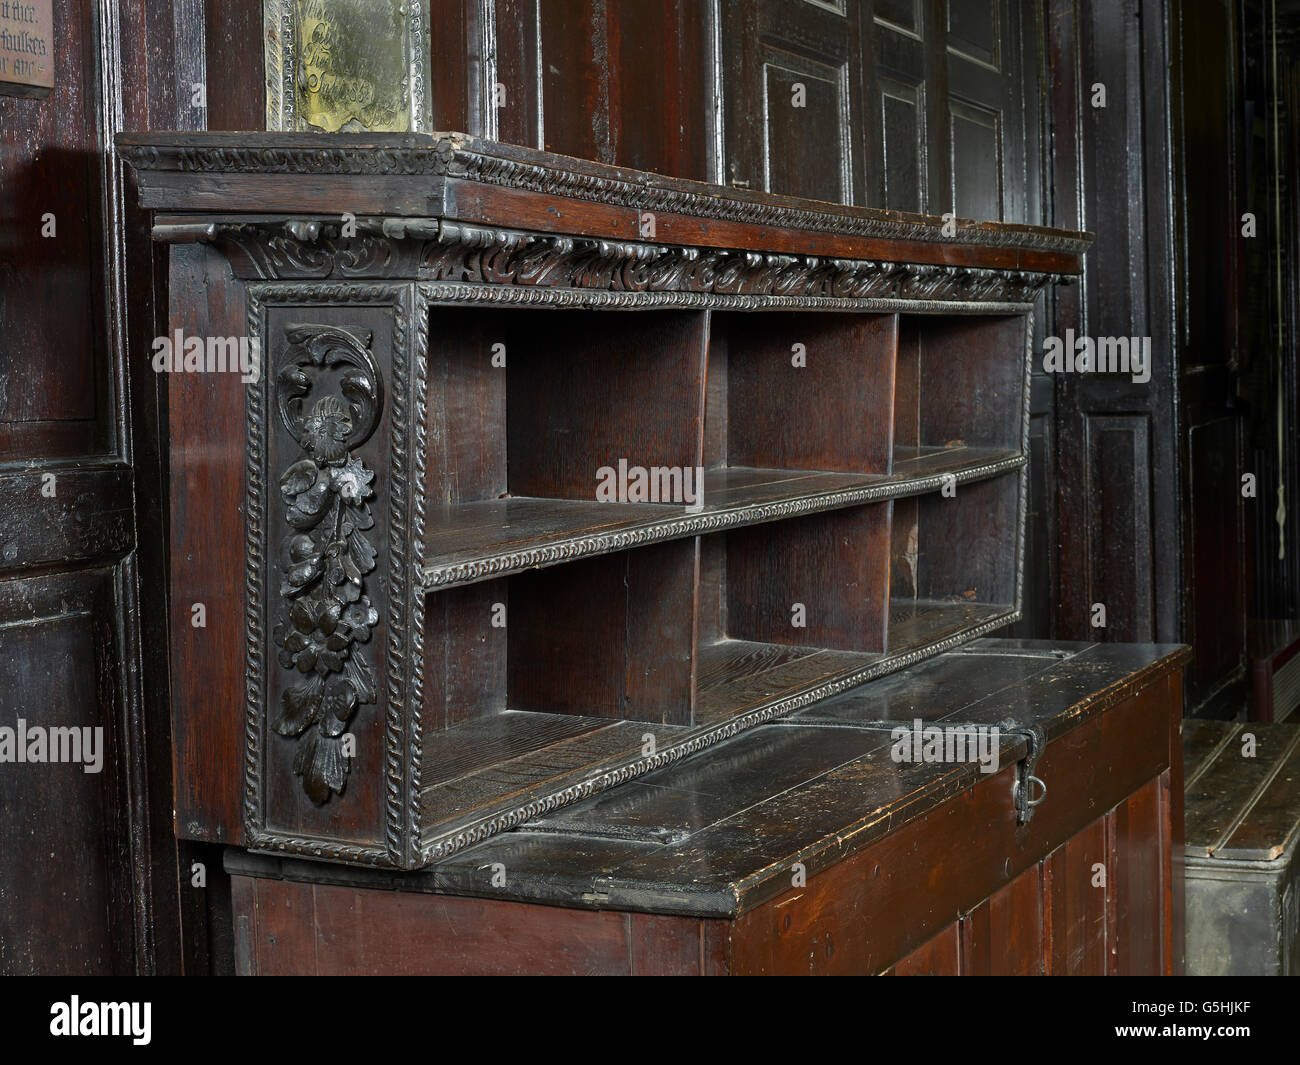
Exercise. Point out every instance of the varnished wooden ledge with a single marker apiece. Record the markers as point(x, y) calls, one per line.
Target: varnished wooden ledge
point(636, 847)
point(454, 176)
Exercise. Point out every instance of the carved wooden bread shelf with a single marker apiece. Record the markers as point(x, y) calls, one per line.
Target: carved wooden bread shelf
point(814, 425)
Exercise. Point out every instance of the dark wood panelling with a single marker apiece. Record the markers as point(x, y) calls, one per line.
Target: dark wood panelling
point(1138, 877)
point(793, 76)
point(906, 168)
point(207, 561)
point(1206, 297)
point(55, 392)
point(941, 956)
point(1216, 586)
point(1149, 510)
point(79, 515)
point(1004, 935)
point(1077, 879)
point(614, 80)
point(986, 107)
point(66, 878)
point(304, 929)
point(1119, 523)
point(226, 36)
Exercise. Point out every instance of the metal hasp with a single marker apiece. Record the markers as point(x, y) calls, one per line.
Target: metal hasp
point(1022, 789)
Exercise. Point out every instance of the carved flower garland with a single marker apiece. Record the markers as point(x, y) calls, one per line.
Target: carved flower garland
point(325, 614)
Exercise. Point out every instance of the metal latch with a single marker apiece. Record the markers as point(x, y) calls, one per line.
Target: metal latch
point(1022, 789)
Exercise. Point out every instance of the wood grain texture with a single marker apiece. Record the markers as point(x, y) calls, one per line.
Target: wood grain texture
point(207, 563)
point(817, 582)
point(941, 956)
point(1003, 936)
point(1077, 905)
point(841, 366)
point(321, 930)
point(1138, 874)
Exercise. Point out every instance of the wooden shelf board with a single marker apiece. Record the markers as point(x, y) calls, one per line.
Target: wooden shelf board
point(916, 622)
point(501, 763)
point(469, 542)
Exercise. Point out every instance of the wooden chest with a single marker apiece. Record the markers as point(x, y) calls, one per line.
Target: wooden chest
point(806, 846)
point(1242, 826)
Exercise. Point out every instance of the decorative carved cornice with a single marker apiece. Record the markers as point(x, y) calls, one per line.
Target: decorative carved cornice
point(439, 250)
point(457, 156)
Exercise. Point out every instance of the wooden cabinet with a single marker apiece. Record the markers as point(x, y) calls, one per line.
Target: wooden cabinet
point(803, 846)
point(551, 473)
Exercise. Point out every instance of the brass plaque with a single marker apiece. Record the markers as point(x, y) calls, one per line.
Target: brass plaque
point(26, 47)
point(346, 65)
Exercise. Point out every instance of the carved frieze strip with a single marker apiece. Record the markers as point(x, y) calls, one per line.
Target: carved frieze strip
point(436, 576)
point(458, 156)
point(461, 293)
point(434, 250)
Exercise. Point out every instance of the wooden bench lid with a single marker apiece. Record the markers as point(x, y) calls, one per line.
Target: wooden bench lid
point(1242, 789)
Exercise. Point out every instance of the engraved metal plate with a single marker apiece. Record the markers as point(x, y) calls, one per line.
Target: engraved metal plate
point(351, 66)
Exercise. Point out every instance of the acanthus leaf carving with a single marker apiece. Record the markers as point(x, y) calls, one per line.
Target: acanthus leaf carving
point(442, 250)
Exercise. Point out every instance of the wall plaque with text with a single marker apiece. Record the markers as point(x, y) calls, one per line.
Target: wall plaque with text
point(26, 47)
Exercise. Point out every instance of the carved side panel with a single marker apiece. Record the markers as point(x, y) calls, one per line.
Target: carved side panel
point(328, 554)
point(329, 397)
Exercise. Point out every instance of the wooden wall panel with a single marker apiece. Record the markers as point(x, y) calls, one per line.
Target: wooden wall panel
point(906, 165)
point(290, 928)
point(206, 565)
point(1120, 529)
point(1077, 897)
point(1138, 875)
point(65, 883)
point(78, 597)
point(55, 393)
point(794, 115)
point(621, 81)
point(1005, 935)
point(1156, 173)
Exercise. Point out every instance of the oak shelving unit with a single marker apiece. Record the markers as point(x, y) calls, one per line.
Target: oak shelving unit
point(851, 383)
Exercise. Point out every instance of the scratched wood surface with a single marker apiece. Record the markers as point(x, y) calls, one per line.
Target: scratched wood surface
point(803, 847)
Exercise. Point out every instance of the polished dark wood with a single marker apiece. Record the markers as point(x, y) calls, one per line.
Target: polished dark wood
point(1141, 461)
point(800, 847)
point(529, 406)
point(92, 884)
